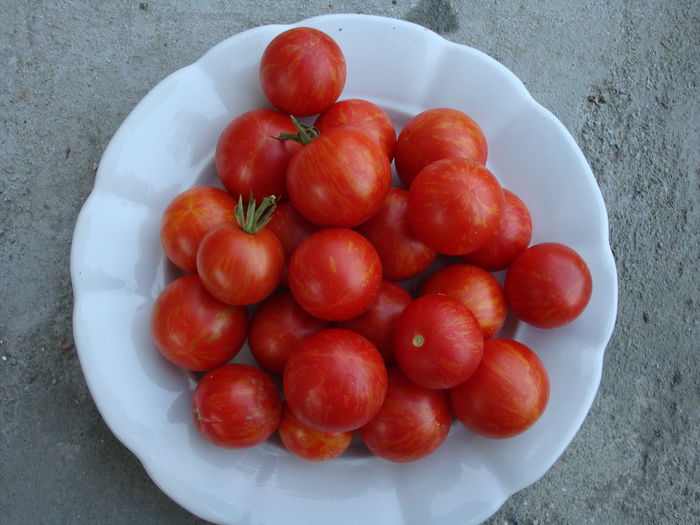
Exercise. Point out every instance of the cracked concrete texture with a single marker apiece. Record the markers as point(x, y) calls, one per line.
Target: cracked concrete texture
point(621, 76)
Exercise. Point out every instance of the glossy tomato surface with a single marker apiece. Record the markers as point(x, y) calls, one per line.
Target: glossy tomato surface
point(188, 218)
point(412, 423)
point(238, 267)
point(335, 380)
point(309, 443)
point(361, 114)
point(335, 274)
point(438, 342)
point(476, 289)
point(548, 285)
point(193, 329)
point(340, 178)
point(276, 327)
point(455, 206)
point(302, 71)
point(248, 157)
point(377, 323)
point(236, 406)
point(513, 236)
point(435, 134)
point(402, 254)
point(506, 395)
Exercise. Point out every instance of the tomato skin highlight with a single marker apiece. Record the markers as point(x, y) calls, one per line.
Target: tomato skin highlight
point(249, 159)
point(506, 395)
point(455, 206)
point(402, 254)
point(335, 274)
point(412, 423)
point(302, 71)
point(276, 327)
point(309, 443)
point(236, 406)
point(477, 289)
point(335, 380)
point(339, 179)
point(435, 134)
point(513, 236)
point(548, 285)
point(438, 342)
point(194, 330)
point(188, 218)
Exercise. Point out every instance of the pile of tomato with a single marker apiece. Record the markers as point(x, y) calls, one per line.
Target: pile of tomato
point(300, 255)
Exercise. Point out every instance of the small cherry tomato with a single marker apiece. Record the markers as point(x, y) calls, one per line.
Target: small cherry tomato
point(548, 285)
point(309, 443)
point(438, 342)
point(302, 71)
point(507, 393)
point(188, 218)
point(236, 406)
point(335, 380)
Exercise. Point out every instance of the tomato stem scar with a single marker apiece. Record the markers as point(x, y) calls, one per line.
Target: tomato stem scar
point(418, 340)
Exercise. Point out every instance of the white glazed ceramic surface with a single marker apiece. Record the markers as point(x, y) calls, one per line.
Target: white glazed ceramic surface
point(118, 268)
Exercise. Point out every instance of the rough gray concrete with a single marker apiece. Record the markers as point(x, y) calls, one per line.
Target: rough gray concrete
point(622, 76)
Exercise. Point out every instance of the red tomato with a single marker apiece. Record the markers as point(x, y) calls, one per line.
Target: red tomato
point(403, 256)
point(290, 228)
point(507, 393)
point(249, 158)
point(309, 443)
point(193, 329)
point(302, 71)
point(340, 178)
point(363, 115)
point(277, 326)
point(513, 236)
point(476, 289)
point(241, 264)
point(335, 274)
point(377, 323)
point(412, 423)
point(188, 218)
point(548, 285)
point(335, 380)
point(236, 406)
point(435, 134)
point(455, 206)
point(437, 341)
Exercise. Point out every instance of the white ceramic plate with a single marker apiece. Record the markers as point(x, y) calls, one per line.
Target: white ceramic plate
point(117, 266)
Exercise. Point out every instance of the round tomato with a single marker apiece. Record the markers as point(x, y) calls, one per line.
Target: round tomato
point(377, 323)
point(403, 256)
point(193, 329)
point(335, 274)
point(455, 206)
point(435, 134)
point(507, 393)
point(309, 443)
point(340, 178)
point(437, 341)
point(548, 285)
point(278, 324)
point(476, 289)
point(412, 423)
point(513, 236)
point(236, 406)
point(302, 71)
point(248, 157)
point(188, 218)
point(241, 263)
point(363, 115)
point(335, 380)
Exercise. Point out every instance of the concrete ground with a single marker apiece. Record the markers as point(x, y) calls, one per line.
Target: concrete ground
point(623, 78)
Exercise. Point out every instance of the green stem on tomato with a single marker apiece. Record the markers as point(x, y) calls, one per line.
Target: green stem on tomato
point(305, 133)
point(255, 217)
